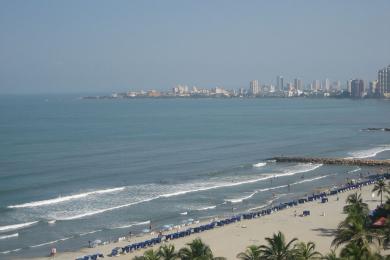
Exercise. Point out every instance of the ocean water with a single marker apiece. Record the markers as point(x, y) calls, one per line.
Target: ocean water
point(72, 170)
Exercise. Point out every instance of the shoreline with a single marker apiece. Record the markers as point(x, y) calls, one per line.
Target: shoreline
point(239, 228)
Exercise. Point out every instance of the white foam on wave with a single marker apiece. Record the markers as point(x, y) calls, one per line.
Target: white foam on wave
point(50, 242)
point(300, 168)
point(17, 226)
point(266, 204)
point(10, 251)
point(64, 199)
point(238, 200)
point(274, 188)
point(260, 164)
point(91, 213)
point(9, 236)
point(368, 152)
point(133, 224)
point(206, 208)
point(184, 213)
point(355, 170)
point(90, 232)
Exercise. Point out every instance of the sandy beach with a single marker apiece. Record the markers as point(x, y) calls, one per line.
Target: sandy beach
point(229, 240)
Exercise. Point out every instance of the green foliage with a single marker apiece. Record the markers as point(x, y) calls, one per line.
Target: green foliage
point(355, 206)
point(167, 252)
point(306, 251)
point(381, 187)
point(148, 255)
point(251, 253)
point(277, 248)
point(331, 256)
point(197, 250)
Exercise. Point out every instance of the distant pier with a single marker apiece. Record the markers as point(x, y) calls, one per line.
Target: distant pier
point(336, 161)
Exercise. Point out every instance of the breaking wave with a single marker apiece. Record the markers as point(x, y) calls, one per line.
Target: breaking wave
point(65, 198)
point(17, 226)
point(355, 170)
point(206, 208)
point(90, 232)
point(9, 236)
point(238, 200)
point(368, 152)
point(133, 224)
point(10, 251)
point(260, 164)
point(50, 242)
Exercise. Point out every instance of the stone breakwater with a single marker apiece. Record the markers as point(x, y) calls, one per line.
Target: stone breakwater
point(337, 161)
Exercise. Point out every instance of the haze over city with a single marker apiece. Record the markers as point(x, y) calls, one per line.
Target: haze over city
point(101, 46)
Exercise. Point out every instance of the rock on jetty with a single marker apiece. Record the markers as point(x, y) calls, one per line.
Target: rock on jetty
point(339, 161)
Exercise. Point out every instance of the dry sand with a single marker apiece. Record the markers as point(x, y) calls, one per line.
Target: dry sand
point(229, 240)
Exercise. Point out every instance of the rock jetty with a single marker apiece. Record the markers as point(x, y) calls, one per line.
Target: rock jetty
point(338, 161)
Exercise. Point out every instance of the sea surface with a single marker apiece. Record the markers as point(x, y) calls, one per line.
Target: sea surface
point(73, 170)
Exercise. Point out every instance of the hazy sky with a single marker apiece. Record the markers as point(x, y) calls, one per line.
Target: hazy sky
point(101, 46)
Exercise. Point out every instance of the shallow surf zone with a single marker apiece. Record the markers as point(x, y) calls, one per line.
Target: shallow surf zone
point(239, 200)
point(160, 190)
point(88, 204)
point(368, 153)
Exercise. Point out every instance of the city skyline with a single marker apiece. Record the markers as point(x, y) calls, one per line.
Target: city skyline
point(94, 46)
point(353, 88)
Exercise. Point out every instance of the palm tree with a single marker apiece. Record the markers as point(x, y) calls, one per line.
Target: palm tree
point(381, 187)
point(353, 230)
point(277, 248)
point(355, 252)
point(148, 255)
point(307, 251)
point(331, 256)
point(167, 252)
point(197, 250)
point(355, 205)
point(251, 253)
point(151, 255)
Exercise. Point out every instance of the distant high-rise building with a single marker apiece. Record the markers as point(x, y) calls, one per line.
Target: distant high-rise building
point(280, 83)
point(298, 85)
point(316, 85)
point(384, 82)
point(372, 89)
point(349, 84)
point(336, 85)
point(357, 88)
point(326, 85)
point(254, 87)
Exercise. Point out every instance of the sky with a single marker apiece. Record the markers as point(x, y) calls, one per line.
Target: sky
point(93, 46)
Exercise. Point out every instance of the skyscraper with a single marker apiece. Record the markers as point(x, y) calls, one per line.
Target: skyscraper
point(357, 88)
point(298, 84)
point(384, 82)
point(372, 89)
point(326, 85)
point(254, 88)
point(279, 83)
point(349, 84)
point(316, 85)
